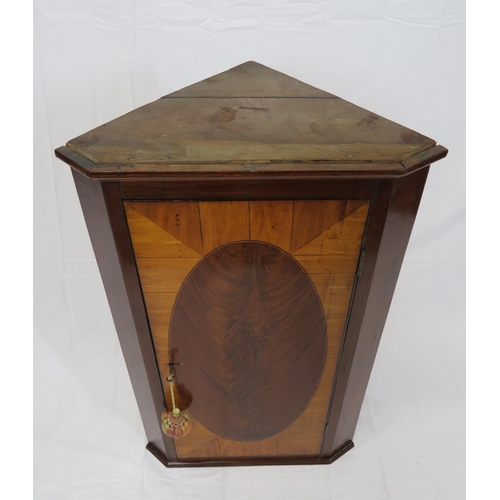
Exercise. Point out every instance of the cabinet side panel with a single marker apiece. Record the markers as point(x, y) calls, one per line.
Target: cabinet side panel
point(388, 231)
point(107, 226)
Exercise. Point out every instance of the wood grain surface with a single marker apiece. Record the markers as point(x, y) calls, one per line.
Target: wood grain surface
point(330, 232)
point(248, 114)
point(250, 329)
point(241, 129)
point(250, 79)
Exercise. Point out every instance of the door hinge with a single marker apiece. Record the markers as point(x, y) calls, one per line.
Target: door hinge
point(326, 428)
point(361, 261)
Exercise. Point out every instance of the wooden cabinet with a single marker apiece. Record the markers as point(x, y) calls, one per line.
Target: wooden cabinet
point(251, 228)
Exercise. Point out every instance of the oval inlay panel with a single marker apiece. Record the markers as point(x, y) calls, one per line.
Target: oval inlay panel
point(250, 329)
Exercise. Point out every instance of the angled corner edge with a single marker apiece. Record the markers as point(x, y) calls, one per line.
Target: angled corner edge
point(424, 158)
point(342, 451)
point(76, 160)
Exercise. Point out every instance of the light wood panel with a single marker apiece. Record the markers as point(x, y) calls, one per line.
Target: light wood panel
point(333, 277)
point(223, 222)
point(341, 239)
point(264, 447)
point(201, 442)
point(336, 269)
point(164, 262)
point(164, 274)
point(159, 307)
point(328, 254)
point(179, 219)
point(310, 219)
point(150, 240)
point(271, 221)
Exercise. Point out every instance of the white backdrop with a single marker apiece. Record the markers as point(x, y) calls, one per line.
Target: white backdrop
point(95, 60)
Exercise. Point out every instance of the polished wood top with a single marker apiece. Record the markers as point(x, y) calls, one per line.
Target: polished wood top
point(249, 119)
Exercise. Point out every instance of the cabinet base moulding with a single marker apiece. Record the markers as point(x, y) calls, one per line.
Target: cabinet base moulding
point(250, 461)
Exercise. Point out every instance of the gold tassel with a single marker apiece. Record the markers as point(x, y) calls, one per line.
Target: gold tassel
point(175, 423)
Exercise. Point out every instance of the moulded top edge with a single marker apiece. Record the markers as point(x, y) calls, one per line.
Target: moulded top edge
point(249, 170)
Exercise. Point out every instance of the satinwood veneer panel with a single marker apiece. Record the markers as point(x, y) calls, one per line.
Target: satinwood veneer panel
point(323, 239)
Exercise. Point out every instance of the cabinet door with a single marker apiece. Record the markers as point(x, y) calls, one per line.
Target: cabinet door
point(252, 297)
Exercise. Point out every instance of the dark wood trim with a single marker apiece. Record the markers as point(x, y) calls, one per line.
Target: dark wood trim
point(75, 160)
point(248, 171)
point(393, 213)
point(249, 189)
point(238, 462)
point(106, 222)
point(423, 159)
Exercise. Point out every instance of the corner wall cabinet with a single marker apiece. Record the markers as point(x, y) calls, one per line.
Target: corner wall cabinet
point(250, 229)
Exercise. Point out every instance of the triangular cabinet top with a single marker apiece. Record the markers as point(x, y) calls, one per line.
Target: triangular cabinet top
point(245, 121)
